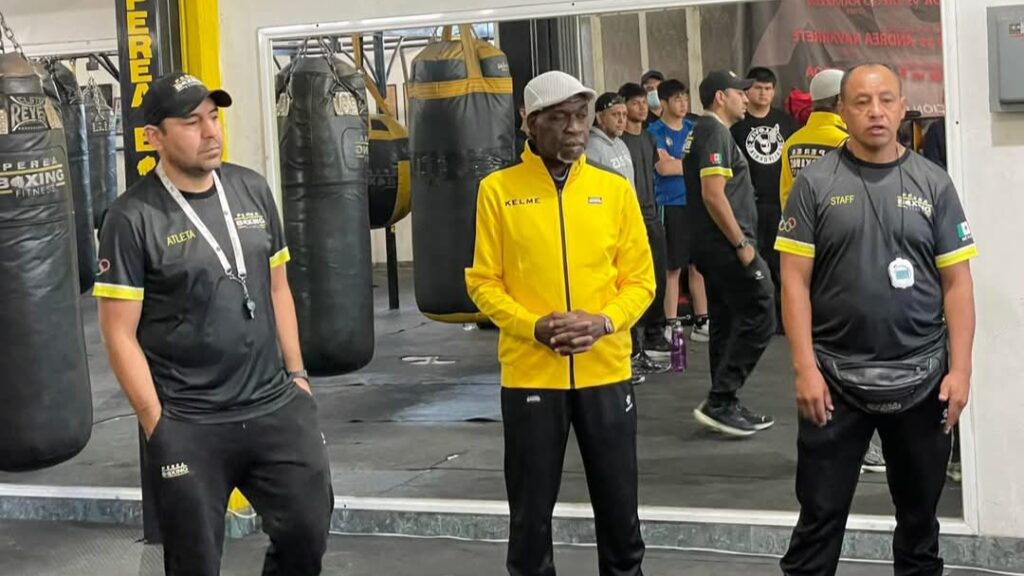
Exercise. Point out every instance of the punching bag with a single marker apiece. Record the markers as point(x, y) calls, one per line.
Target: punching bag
point(324, 169)
point(45, 399)
point(389, 190)
point(72, 110)
point(99, 120)
point(461, 128)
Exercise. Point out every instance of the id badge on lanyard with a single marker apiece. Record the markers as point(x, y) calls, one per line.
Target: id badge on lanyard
point(248, 305)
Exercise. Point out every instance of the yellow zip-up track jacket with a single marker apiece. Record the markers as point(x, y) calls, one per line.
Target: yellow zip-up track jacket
point(540, 251)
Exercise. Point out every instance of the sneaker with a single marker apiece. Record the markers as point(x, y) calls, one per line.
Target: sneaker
point(701, 330)
point(658, 346)
point(725, 419)
point(874, 461)
point(638, 379)
point(955, 472)
point(758, 421)
point(644, 364)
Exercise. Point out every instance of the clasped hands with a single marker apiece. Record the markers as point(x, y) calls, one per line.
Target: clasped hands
point(570, 333)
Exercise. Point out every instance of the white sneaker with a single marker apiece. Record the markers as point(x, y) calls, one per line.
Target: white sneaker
point(701, 331)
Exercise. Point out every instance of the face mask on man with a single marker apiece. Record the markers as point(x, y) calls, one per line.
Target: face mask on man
point(652, 99)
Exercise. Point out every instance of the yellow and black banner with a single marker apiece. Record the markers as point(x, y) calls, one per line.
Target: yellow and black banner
point(149, 46)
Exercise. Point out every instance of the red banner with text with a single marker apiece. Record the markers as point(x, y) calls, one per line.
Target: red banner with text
point(797, 38)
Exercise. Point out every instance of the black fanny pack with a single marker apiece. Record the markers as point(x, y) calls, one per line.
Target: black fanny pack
point(886, 387)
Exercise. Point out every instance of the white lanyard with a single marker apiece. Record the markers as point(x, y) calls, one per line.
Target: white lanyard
point(229, 222)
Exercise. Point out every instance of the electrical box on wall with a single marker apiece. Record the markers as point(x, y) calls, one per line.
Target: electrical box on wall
point(1006, 58)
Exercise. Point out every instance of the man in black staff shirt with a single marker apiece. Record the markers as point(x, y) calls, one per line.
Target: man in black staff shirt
point(200, 327)
point(649, 333)
point(761, 136)
point(879, 312)
point(739, 285)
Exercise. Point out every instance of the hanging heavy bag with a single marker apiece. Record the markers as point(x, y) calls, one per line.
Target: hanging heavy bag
point(72, 110)
point(390, 187)
point(461, 129)
point(99, 120)
point(45, 400)
point(324, 162)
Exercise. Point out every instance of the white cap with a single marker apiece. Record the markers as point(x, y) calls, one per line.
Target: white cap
point(826, 84)
point(551, 88)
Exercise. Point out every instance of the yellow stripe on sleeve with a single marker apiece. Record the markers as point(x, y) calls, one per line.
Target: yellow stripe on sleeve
point(117, 292)
point(280, 258)
point(716, 171)
point(790, 246)
point(956, 256)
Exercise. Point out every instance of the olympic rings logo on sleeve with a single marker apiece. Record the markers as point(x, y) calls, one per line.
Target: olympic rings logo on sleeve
point(787, 225)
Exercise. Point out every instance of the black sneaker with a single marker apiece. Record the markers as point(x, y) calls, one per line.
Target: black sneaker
point(759, 421)
point(726, 419)
point(657, 346)
point(644, 364)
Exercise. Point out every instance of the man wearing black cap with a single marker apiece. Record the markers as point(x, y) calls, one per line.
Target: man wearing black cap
point(741, 296)
point(200, 327)
point(604, 146)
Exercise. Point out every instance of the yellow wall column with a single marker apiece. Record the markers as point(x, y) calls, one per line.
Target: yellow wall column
point(200, 45)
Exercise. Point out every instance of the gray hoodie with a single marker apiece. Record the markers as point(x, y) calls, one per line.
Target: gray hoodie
point(610, 153)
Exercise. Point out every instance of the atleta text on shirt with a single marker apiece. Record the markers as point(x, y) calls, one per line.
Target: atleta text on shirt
point(210, 362)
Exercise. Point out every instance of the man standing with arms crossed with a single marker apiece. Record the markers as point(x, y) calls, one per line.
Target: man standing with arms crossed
point(879, 312)
point(741, 296)
point(562, 267)
point(200, 327)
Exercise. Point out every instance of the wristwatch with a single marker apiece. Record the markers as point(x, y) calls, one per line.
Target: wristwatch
point(298, 374)
point(743, 244)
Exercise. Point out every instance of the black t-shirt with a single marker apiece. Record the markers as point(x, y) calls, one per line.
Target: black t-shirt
point(856, 312)
point(210, 362)
point(710, 150)
point(643, 151)
point(761, 140)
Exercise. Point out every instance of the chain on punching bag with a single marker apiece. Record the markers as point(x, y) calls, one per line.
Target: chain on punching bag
point(461, 128)
point(99, 119)
point(72, 109)
point(324, 162)
point(45, 398)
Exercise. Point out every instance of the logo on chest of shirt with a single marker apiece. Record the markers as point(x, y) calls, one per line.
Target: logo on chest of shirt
point(908, 201)
point(181, 237)
point(521, 202)
point(764, 144)
point(250, 220)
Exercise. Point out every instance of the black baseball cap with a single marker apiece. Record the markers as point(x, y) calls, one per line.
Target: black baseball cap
point(176, 95)
point(652, 75)
point(607, 100)
point(719, 80)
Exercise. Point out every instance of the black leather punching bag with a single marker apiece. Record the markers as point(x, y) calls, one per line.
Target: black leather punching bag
point(45, 397)
point(324, 168)
point(461, 128)
point(102, 136)
point(72, 110)
point(390, 187)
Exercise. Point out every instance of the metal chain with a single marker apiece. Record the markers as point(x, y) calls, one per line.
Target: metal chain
point(10, 36)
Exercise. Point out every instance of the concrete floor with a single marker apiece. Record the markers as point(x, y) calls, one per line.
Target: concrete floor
point(408, 425)
point(48, 549)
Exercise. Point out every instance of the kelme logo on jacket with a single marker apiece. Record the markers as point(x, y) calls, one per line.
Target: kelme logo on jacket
point(521, 202)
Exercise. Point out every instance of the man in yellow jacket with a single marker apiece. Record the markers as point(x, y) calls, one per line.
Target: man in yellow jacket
point(823, 133)
point(562, 266)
